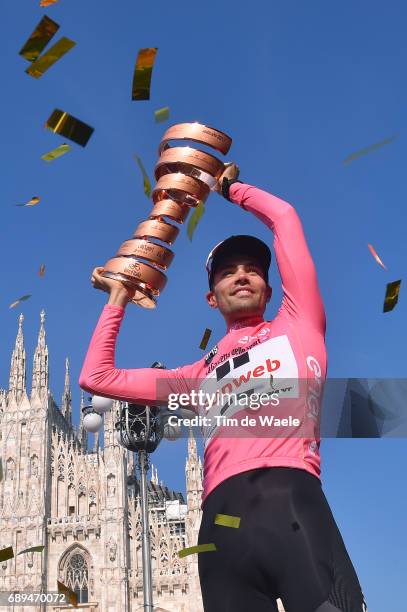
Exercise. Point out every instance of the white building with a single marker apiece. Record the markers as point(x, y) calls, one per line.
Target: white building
point(82, 504)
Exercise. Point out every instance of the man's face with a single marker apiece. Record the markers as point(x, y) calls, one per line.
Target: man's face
point(239, 288)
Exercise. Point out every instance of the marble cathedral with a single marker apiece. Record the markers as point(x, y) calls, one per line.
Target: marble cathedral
point(82, 504)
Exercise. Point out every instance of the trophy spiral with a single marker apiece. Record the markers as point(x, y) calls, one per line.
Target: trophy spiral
point(185, 176)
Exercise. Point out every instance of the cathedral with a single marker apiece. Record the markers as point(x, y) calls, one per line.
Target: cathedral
point(83, 505)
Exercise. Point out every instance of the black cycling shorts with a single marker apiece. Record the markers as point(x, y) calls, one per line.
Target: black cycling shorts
point(287, 546)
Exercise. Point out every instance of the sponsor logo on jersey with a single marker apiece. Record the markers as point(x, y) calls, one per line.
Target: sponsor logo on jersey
point(246, 339)
point(250, 372)
point(211, 355)
point(314, 389)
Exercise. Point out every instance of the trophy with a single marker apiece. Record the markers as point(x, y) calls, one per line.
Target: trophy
point(185, 176)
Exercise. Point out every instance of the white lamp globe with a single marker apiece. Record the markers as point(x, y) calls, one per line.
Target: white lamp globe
point(92, 422)
point(101, 404)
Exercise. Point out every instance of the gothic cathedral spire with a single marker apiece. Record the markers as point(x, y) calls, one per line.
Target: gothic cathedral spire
point(193, 474)
point(17, 368)
point(67, 395)
point(40, 363)
point(82, 434)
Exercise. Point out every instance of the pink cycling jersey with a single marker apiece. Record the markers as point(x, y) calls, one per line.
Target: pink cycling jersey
point(287, 353)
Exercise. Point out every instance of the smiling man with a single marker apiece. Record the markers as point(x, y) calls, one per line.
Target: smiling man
point(288, 545)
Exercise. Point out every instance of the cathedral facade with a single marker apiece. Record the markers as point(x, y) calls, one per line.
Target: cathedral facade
point(82, 504)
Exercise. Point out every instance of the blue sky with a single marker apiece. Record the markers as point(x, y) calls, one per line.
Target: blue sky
point(299, 86)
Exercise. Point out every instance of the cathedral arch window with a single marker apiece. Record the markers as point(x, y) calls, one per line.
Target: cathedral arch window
point(74, 571)
point(82, 504)
point(61, 504)
point(71, 500)
point(11, 468)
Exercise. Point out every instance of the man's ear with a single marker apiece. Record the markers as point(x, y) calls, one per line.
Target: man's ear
point(211, 299)
point(269, 293)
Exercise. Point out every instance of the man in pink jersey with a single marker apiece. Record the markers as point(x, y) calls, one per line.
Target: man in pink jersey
point(288, 545)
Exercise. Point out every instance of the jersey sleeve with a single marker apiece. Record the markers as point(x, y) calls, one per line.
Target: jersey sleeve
point(301, 295)
point(100, 376)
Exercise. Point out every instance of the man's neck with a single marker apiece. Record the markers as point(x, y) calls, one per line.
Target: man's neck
point(249, 321)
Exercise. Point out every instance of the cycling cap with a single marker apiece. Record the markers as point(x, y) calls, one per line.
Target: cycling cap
point(238, 245)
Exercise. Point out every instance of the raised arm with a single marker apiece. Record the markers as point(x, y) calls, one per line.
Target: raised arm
point(301, 294)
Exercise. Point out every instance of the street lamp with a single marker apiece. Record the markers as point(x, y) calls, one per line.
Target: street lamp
point(140, 429)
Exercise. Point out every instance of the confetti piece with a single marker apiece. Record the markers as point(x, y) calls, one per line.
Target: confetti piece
point(194, 219)
point(72, 596)
point(368, 149)
point(43, 63)
point(70, 127)
point(375, 255)
point(6, 553)
point(142, 73)
point(205, 339)
point(32, 549)
point(161, 114)
point(39, 39)
point(21, 299)
point(227, 521)
point(41, 271)
point(196, 549)
point(48, 2)
point(146, 180)
point(31, 202)
point(392, 295)
point(61, 150)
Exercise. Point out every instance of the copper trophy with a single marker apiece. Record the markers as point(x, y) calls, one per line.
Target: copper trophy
point(185, 176)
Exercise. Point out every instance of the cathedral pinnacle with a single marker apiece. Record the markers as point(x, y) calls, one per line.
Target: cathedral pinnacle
point(82, 434)
point(40, 364)
point(67, 396)
point(17, 368)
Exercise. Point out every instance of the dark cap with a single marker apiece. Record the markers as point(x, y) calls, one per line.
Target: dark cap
point(238, 245)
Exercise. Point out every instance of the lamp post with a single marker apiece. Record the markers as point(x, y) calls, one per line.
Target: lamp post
point(140, 428)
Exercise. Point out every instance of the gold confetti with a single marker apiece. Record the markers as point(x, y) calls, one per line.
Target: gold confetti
point(227, 521)
point(48, 2)
point(369, 149)
point(70, 127)
point(6, 553)
point(61, 150)
point(41, 271)
point(21, 299)
point(375, 255)
point(194, 219)
point(39, 39)
point(146, 180)
point(31, 202)
point(205, 339)
point(43, 63)
point(71, 595)
point(32, 549)
point(392, 295)
point(142, 73)
point(196, 549)
point(162, 114)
